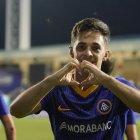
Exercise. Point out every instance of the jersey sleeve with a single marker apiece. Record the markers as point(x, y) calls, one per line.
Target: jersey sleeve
point(4, 110)
point(131, 118)
point(123, 80)
point(122, 106)
point(48, 102)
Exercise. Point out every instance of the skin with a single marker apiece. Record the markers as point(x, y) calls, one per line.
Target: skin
point(86, 63)
point(9, 127)
point(88, 49)
point(131, 132)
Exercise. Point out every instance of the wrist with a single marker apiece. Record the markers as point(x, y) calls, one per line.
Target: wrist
point(107, 80)
point(50, 80)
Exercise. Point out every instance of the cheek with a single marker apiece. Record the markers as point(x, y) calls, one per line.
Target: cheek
point(76, 54)
point(102, 55)
point(99, 59)
point(79, 57)
point(73, 53)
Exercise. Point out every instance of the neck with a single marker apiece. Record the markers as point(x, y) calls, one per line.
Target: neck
point(81, 76)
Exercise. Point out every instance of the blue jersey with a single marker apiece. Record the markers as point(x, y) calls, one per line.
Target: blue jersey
point(94, 114)
point(4, 110)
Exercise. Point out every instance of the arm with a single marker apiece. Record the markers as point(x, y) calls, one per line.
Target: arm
point(9, 127)
point(131, 128)
point(127, 94)
point(28, 102)
point(131, 132)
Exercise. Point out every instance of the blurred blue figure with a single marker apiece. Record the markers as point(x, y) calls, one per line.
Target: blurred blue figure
point(7, 120)
point(131, 128)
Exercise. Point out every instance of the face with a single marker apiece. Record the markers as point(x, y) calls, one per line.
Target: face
point(90, 46)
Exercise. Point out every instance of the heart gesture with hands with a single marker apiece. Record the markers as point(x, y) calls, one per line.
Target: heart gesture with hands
point(95, 75)
point(64, 75)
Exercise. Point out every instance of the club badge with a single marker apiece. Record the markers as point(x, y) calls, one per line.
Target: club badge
point(104, 106)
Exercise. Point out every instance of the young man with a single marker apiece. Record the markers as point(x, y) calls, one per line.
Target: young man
point(7, 120)
point(82, 101)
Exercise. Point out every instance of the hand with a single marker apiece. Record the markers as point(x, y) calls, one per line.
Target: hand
point(64, 75)
point(68, 80)
point(96, 76)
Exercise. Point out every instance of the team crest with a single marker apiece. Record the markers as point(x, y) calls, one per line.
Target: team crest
point(104, 106)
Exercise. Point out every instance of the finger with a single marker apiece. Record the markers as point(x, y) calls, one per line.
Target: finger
point(87, 65)
point(67, 78)
point(70, 80)
point(88, 80)
point(66, 81)
point(74, 83)
point(83, 83)
point(66, 69)
point(77, 64)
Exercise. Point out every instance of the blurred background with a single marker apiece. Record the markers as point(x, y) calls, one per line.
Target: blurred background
point(35, 36)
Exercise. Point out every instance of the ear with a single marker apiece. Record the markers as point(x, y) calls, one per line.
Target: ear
point(106, 55)
point(71, 51)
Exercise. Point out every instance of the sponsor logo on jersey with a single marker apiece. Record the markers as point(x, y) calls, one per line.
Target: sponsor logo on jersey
point(63, 109)
point(85, 128)
point(104, 106)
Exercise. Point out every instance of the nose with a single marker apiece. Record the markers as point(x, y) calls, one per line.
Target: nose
point(89, 52)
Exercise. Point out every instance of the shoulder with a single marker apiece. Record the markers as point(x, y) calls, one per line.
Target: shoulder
point(127, 82)
point(131, 117)
point(59, 88)
point(121, 79)
point(57, 91)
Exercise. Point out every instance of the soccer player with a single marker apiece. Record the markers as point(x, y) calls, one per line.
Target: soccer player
point(83, 102)
point(7, 120)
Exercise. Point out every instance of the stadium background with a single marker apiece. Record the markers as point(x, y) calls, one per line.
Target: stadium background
point(45, 47)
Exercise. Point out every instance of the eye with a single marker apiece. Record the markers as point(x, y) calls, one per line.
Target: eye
point(80, 47)
point(96, 48)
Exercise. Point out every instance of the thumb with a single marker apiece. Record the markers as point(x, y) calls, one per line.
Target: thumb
point(65, 70)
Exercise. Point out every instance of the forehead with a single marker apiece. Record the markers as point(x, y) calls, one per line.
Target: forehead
point(90, 37)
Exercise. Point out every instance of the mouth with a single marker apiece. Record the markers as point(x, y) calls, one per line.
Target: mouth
point(91, 61)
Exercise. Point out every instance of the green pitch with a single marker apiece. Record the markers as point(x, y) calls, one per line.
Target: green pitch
point(31, 129)
point(35, 129)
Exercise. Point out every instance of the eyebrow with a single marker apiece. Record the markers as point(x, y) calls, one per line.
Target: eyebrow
point(94, 43)
point(81, 43)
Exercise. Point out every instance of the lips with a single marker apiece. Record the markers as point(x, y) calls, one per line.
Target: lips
point(91, 61)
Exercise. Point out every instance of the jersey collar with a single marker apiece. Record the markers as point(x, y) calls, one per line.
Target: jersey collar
point(84, 93)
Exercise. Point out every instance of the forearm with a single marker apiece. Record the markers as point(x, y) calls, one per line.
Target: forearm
point(11, 134)
point(24, 104)
point(131, 132)
point(27, 101)
point(127, 94)
point(9, 127)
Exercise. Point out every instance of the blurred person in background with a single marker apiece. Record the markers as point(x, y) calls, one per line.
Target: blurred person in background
point(83, 101)
point(6, 119)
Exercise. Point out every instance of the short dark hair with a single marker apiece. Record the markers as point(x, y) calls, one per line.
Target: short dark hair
point(93, 24)
point(90, 24)
point(108, 66)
